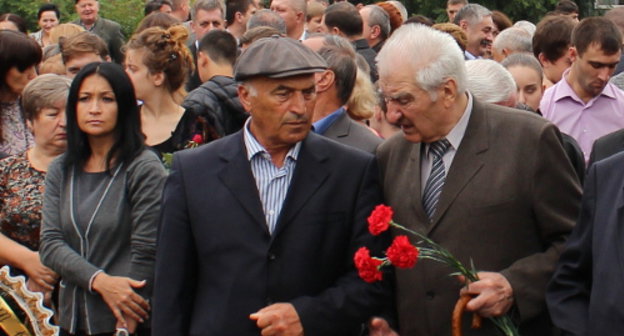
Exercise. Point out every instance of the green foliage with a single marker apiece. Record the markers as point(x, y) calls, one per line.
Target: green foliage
point(531, 10)
point(127, 13)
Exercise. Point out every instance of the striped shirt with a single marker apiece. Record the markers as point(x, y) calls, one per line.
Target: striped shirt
point(272, 182)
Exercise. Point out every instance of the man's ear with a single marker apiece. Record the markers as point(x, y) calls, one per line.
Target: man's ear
point(325, 80)
point(448, 92)
point(543, 60)
point(300, 17)
point(573, 54)
point(463, 24)
point(202, 59)
point(238, 17)
point(244, 96)
point(375, 32)
point(108, 59)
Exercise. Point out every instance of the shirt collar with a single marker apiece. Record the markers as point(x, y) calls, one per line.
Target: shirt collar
point(321, 126)
point(255, 148)
point(458, 131)
point(565, 90)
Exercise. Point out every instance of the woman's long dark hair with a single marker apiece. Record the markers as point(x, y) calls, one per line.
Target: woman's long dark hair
point(129, 141)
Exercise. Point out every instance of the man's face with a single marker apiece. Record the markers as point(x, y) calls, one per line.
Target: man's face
point(251, 10)
point(284, 9)
point(87, 10)
point(480, 36)
point(206, 21)
point(594, 68)
point(366, 29)
point(281, 109)
point(74, 64)
point(418, 116)
point(451, 11)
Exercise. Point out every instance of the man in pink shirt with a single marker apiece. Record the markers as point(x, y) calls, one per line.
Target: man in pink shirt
point(584, 104)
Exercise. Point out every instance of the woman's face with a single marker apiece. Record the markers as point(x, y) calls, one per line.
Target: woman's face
point(48, 20)
point(96, 109)
point(16, 80)
point(138, 72)
point(48, 127)
point(530, 86)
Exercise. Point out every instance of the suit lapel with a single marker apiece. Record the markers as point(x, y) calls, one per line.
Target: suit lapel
point(340, 127)
point(310, 173)
point(237, 176)
point(467, 161)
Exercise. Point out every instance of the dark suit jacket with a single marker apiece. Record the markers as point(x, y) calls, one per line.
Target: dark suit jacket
point(351, 133)
point(585, 295)
point(110, 32)
point(362, 48)
point(193, 81)
point(217, 262)
point(509, 202)
point(606, 146)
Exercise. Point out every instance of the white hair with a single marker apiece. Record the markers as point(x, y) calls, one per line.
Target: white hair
point(473, 14)
point(529, 27)
point(489, 82)
point(434, 55)
point(513, 39)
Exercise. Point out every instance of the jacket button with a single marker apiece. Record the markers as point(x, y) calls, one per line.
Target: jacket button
point(430, 295)
point(272, 256)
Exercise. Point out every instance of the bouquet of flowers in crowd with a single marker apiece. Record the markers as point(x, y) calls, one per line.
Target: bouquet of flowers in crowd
point(403, 254)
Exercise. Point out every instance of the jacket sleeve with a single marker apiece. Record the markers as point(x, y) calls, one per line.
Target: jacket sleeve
point(351, 301)
point(144, 184)
point(555, 197)
point(176, 264)
point(568, 292)
point(54, 250)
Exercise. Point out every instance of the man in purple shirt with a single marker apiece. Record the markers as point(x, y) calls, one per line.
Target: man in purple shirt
point(584, 104)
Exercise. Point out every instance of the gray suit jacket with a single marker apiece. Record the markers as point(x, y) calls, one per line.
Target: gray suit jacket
point(351, 133)
point(509, 202)
point(110, 32)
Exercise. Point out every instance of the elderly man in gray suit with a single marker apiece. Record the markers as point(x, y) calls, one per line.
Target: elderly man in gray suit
point(490, 184)
point(110, 31)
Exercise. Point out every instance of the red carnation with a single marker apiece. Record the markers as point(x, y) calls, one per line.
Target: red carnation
point(402, 253)
point(379, 220)
point(368, 268)
point(198, 139)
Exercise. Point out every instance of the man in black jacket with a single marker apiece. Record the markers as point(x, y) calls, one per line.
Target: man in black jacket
point(216, 99)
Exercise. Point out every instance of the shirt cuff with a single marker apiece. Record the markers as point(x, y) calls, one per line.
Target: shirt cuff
point(93, 278)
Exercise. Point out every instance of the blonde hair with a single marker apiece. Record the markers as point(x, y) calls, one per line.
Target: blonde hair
point(166, 53)
point(361, 104)
point(53, 65)
point(65, 30)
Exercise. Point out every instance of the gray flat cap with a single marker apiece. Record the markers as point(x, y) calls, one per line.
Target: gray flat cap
point(277, 57)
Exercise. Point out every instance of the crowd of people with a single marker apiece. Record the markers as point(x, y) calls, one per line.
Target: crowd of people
point(212, 173)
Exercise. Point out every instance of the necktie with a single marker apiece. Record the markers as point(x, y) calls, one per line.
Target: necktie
point(435, 182)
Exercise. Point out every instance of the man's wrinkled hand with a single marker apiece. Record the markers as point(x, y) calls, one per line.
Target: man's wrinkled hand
point(280, 319)
point(493, 295)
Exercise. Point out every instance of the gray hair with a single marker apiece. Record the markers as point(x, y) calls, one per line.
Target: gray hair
point(379, 17)
point(268, 18)
point(489, 81)
point(529, 27)
point(525, 60)
point(513, 39)
point(434, 54)
point(208, 5)
point(44, 91)
point(472, 13)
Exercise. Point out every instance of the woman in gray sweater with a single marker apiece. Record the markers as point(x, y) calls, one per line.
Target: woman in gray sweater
point(101, 208)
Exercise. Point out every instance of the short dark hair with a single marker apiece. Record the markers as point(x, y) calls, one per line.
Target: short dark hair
point(267, 17)
point(154, 6)
point(157, 19)
point(345, 17)
point(420, 19)
point(129, 141)
point(234, 6)
point(16, 50)
point(341, 61)
point(566, 7)
point(501, 20)
point(19, 22)
point(220, 46)
point(597, 30)
point(49, 7)
point(82, 43)
point(553, 37)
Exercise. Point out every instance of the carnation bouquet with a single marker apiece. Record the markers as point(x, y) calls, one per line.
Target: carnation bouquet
point(403, 254)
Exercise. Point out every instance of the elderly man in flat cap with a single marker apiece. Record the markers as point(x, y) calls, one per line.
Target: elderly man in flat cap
point(259, 228)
